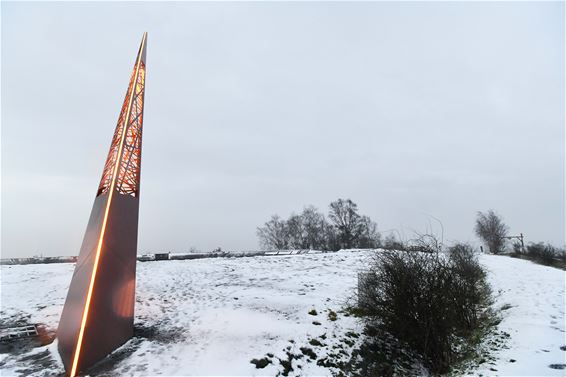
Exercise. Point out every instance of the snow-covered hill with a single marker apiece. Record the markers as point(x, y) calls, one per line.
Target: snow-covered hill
point(213, 316)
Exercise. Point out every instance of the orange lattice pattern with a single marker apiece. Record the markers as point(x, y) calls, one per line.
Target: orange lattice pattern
point(131, 115)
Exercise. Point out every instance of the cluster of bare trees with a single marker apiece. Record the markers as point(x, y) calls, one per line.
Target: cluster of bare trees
point(344, 229)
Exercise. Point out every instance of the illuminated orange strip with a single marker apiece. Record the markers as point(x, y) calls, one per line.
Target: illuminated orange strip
point(107, 210)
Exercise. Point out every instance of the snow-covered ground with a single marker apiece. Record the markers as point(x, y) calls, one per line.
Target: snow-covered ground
point(213, 316)
point(533, 299)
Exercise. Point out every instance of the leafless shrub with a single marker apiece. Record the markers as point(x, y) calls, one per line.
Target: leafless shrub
point(544, 253)
point(517, 248)
point(426, 243)
point(470, 282)
point(426, 300)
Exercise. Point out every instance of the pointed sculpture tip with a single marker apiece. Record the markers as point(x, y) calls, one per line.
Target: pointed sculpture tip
point(143, 46)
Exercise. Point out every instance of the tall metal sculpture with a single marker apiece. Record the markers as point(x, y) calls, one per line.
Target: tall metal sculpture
point(98, 315)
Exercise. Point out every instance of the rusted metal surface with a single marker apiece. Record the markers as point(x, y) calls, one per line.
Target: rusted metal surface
point(98, 315)
point(128, 172)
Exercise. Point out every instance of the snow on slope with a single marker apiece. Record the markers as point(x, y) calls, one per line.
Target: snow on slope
point(535, 320)
point(212, 316)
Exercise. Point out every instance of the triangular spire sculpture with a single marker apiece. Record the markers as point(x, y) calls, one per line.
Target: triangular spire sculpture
point(98, 315)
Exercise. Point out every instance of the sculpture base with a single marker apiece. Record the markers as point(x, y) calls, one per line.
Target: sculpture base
point(110, 317)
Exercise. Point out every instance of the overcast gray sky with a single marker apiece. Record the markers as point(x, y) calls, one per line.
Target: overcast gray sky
point(411, 110)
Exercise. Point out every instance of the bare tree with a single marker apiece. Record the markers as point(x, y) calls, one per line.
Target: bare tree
point(274, 234)
point(368, 236)
point(331, 238)
point(314, 225)
point(344, 216)
point(295, 232)
point(491, 229)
